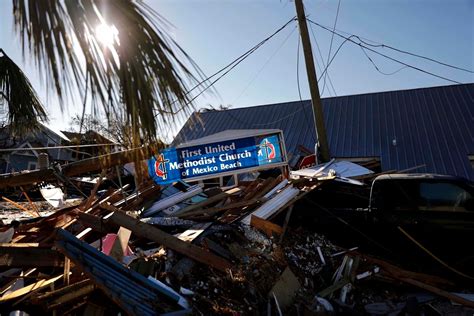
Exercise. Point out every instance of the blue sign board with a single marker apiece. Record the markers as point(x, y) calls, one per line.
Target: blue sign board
point(204, 161)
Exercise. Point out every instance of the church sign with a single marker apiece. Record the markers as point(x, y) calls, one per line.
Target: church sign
point(225, 157)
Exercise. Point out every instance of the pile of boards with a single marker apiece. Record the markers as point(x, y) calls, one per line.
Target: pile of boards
point(183, 250)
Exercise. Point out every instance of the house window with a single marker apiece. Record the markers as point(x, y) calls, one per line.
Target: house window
point(32, 165)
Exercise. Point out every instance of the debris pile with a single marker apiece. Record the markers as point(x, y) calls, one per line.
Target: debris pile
point(189, 250)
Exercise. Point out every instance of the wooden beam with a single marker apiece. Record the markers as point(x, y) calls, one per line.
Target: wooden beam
point(215, 210)
point(19, 245)
point(77, 168)
point(30, 288)
point(265, 226)
point(31, 213)
point(71, 296)
point(208, 201)
point(450, 296)
point(23, 257)
point(119, 248)
point(150, 232)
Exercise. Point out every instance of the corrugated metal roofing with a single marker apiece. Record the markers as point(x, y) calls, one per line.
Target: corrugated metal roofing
point(431, 126)
point(135, 294)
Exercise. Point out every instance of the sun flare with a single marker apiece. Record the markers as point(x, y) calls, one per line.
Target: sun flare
point(107, 35)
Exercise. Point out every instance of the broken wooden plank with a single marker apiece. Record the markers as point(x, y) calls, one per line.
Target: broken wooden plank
point(398, 273)
point(265, 226)
point(20, 245)
point(119, 248)
point(88, 202)
point(213, 199)
point(215, 210)
point(64, 295)
point(152, 233)
point(29, 288)
point(78, 167)
point(437, 291)
point(24, 257)
point(31, 213)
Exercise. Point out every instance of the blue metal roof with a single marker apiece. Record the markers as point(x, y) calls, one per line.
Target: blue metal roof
point(134, 293)
point(432, 126)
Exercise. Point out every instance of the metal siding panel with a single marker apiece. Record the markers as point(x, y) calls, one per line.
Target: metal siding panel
point(433, 126)
point(402, 129)
point(428, 154)
point(386, 139)
point(459, 139)
point(365, 128)
point(452, 152)
point(328, 111)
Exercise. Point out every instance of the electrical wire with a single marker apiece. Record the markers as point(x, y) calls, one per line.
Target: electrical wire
point(55, 147)
point(377, 68)
point(381, 54)
point(330, 45)
point(265, 64)
point(376, 44)
point(229, 67)
point(322, 60)
point(415, 55)
point(406, 234)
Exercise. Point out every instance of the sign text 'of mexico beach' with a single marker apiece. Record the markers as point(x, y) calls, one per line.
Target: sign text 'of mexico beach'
point(217, 158)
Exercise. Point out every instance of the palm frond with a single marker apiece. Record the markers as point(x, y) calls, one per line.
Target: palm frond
point(25, 111)
point(145, 72)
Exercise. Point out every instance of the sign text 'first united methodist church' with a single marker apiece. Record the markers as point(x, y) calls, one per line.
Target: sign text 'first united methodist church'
point(216, 159)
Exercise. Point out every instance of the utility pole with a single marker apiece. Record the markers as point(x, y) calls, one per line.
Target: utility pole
point(313, 83)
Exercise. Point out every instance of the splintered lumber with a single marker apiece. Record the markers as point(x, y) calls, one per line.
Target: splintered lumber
point(215, 210)
point(119, 248)
point(150, 232)
point(29, 288)
point(64, 295)
point(32, 214)
point(399, 273)
point(23, 257)
point(91, 198)
point(265, 226)
point(450, 296)
point(263, 188)
point(77, 168)
point(208, 201)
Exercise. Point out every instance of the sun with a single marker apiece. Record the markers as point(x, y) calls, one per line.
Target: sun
point(107, 35)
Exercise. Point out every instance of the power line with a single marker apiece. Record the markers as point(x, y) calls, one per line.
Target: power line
point(381, 54)
point(322, 59)
point(415, 55)
point(229, 66)
point(377, 68)
point(53, 147)
point(332, 39)
point(365, 41)
point(265, 64)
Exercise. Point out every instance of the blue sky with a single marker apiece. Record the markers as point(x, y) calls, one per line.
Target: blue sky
point(214, 32)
